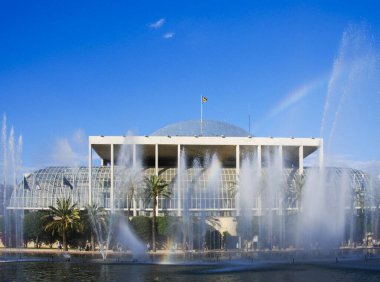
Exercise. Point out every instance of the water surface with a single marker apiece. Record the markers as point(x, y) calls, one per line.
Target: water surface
point(63, 271)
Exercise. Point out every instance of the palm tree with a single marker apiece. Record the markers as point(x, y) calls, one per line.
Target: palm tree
point(133, 183)
point(97, 217)
point(232, 188)
point(63, 218)
point(155, 186)
point(230, 191)
point(296, 189)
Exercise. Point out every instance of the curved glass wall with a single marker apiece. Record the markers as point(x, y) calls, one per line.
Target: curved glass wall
point(192, 191)
point(41, 189)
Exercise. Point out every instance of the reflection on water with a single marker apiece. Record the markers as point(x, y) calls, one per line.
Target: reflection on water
point(45, 271)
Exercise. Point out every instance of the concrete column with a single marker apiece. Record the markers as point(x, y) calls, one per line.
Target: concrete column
point(112, 180)
point(300, 160)
point(259, 156)
point(134, 211)
point(156, 169)
point(281, 157)
point(134, 155)
point(134, 166)
point(280, 164)
point(321, 158)
point(179, 179)
point(258, 174)
point(89, 173)
point(156, 159)
point(237, 199)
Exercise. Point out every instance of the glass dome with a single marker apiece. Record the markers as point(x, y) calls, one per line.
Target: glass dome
point(42, 188)
point(209, 128)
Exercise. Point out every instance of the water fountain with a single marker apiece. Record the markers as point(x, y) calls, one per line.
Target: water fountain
point(128, 177)
point(11, 169)
point(279, 208)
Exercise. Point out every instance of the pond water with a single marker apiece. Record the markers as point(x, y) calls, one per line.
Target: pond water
point(64, 271)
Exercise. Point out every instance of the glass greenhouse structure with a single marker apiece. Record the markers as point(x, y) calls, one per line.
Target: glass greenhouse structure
point(41, 189)
point(171, 153)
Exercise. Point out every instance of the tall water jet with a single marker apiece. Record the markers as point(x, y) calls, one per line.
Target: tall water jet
point(329, 202)
point(6, 235)
point(128, 183)
point(13, 217)
point(185, 192)
point(213, 193)
point(128, 239)
point(272, 183)
point(248, 185)
point(195, 192)
point(352, 92)
point(98, 219)
point(119, 197)
point(17, 205)
point(213, 182)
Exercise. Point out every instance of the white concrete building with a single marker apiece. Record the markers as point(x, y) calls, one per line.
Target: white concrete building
point(177, 150)
point(200, 165)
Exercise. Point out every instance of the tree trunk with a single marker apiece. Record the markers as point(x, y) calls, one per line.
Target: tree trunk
point(130, 201)
point(64, 241)
point(154, 224)
point(92, 241)
point(129, 212)
point(377, 221)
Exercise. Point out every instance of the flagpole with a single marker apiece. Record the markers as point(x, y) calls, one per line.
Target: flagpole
point(201, 115)
point(249, 124)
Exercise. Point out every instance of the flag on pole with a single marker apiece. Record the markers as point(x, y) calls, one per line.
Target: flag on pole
point(67, 182)
point(37, 185)
point(26, 185)
point(203, 100)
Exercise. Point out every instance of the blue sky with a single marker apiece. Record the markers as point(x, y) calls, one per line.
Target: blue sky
point(298, 68)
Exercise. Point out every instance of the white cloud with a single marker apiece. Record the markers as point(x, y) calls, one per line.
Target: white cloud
point(63, 152)
point(157, 24)
point(71, 151)
point(79, 136)
point(169, 35)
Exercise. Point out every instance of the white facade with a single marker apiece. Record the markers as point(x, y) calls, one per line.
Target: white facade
point(156, 152)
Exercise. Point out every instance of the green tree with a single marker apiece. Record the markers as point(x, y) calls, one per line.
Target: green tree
point(226, 235)
point(163, 224)
point(155, 187)
point(34, 228)
point(213, 239)
point(142, 225)
point(62, 219)
point(168, 227)
point(247, 226)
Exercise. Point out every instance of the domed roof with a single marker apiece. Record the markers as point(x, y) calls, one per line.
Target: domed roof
point(193, 128)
